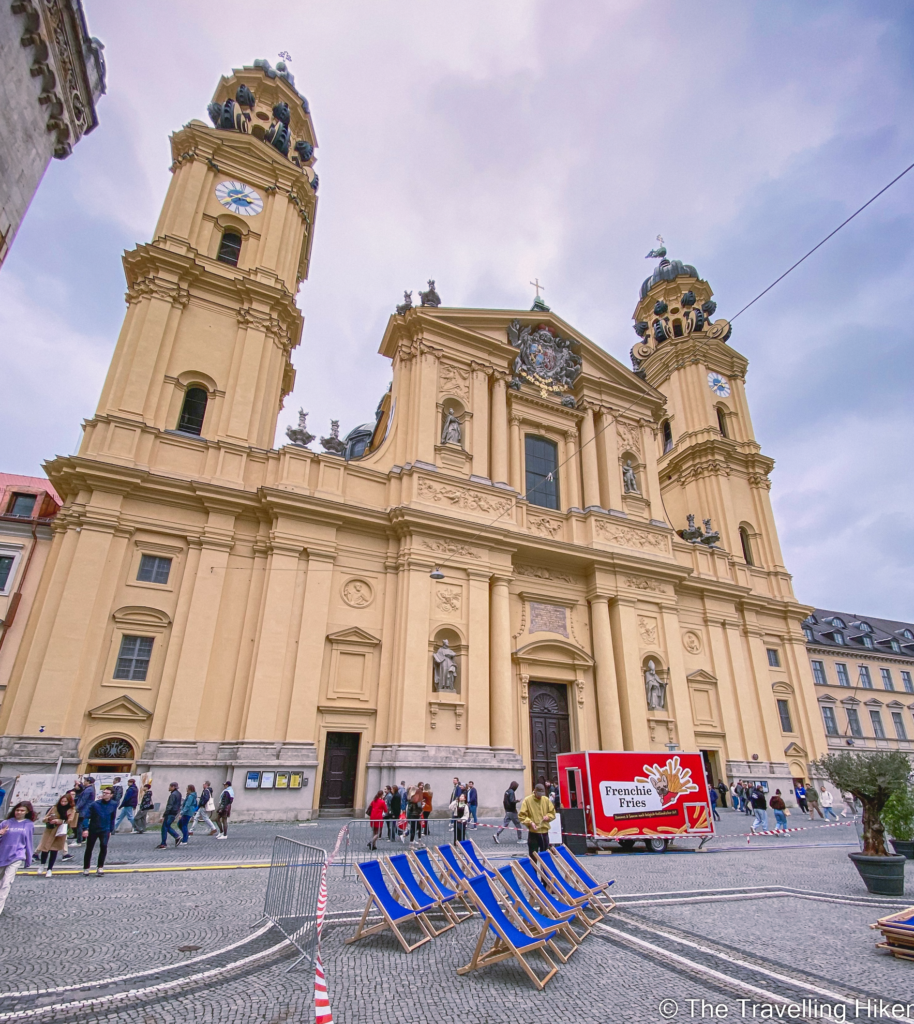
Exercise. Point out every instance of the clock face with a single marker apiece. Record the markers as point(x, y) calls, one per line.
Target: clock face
point(239, 198)
point(719, 385)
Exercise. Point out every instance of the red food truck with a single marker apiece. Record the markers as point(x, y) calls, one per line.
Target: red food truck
point(634, 797)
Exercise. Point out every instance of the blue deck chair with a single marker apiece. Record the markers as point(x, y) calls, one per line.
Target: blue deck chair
point(393, 912)
point(598, 890)
point(422, 902)
point(446, 894)
point(564, 889)
point(452, 866)
point(549, 903)
point(538, 923)
point(476, 859)
point(512, 939)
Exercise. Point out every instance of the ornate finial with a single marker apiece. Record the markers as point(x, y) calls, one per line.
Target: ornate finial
point(659, 252)
point(285, 55)
point(333, 444)
point(300, 435)
point(431, 297)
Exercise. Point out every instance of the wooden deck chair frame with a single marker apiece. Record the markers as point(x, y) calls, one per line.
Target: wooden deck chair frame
point(422, 884)
point(361, 932)
point(560, 886)
point(435, 883)
point(503, 948)
point(447, 869)
point(599, 893)
point(546, 908)
point(480, 856)
point(536, 927)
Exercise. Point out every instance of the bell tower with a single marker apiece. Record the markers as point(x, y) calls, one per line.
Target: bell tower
point(205, 347)
point(710, 465)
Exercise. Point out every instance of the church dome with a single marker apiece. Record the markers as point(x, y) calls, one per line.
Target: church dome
point(668, 270)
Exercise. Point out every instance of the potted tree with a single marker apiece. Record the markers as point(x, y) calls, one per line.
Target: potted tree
point(898, 818)
point(873, 777)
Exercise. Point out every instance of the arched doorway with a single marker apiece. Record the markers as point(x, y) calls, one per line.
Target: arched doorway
point(113, 754)
point(550, 729)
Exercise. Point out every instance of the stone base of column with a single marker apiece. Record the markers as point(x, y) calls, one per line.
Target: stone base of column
point(492, 769)
point(20, 754)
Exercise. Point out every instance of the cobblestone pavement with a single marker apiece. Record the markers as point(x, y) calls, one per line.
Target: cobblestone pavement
point(723, 922)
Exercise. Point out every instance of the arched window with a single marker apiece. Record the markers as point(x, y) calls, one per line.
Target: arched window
point(230, 248)
point(667, 436)
point(747, 545)
point(193, 411)
point(722, 422)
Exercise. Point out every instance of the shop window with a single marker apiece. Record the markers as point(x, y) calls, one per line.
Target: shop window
point(193, 411)
point(541, 463)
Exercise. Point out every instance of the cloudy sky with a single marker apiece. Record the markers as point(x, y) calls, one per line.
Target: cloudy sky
point(484, 144)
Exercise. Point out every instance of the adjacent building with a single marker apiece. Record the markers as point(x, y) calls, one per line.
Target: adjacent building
point(53, 75)
point(530, 548)
point(863, 671)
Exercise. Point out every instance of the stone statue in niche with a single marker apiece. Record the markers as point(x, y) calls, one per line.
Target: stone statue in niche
point(629, 480)
point(450, 429)
point(655, 689)
point(444, 671)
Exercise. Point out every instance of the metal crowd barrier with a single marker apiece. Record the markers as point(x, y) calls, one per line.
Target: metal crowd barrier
point(292, 892)
point(395, 839)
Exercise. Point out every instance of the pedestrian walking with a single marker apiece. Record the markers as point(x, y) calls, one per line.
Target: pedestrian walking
point(224, 810)
point(734, 798)
point(393, 812)
point(722, 793)
point(117, 791)
point(377, 809)
point(426, 806)
point(414, 811)
point(800, 792)
point(812, 799)
point(460, 815)
point(172, 810)
point(16, 838)
point(509, 802)
point(146, 805)
point(205, 807)
point(715, 796)
point(456, 791)
point(57, 821)
point(473, 803)
point(850, 805)
point(403, 796)
point(84, 800)
point(760, 807)
point(128, 806)
point(100, 824)
point(188, 810)
point(536, 812)
point(780, 810)
point(826, 799)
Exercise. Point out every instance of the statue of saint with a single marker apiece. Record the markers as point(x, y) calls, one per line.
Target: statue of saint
point(655, 688)
point(629, 480)
point(450, 430)
point(444, 671)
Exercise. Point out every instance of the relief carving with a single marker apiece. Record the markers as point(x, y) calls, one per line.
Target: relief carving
point(357, 593)
point(447, 600)
point(460, 497)
point(452, 380)
point(647, 630)
point(642, 583)
point(538, 572)
point(544, 527)
point(629, 435)
point(629, 537)
point(691, 642)
point(449, 547)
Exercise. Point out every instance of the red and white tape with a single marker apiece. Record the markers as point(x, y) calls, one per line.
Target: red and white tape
point(322, 1012)
point(799, 828)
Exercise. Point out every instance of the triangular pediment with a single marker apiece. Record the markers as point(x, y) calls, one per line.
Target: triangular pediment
point(794, 750)
point(874, 702)
point(701, 676)
point(123, 708)
point(827, 699)
point(894, 704)
point(353, 635)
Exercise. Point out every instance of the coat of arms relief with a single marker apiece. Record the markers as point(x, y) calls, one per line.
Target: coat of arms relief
point(544, 359)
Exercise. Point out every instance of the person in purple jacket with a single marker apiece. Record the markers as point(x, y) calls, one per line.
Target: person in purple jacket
point(16, 837)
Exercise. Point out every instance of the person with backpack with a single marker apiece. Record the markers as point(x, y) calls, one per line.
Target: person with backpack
point(128, 805)
point(204, 807)
point(800, 792)
point(780, 810)
point(760, 807)
point(509, 802)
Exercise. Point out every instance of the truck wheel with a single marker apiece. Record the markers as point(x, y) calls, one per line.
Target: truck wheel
point(656, 845)
point(627, 845)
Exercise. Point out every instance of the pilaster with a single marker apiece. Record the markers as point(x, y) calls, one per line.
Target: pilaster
point(500, 672)
point(607, 687)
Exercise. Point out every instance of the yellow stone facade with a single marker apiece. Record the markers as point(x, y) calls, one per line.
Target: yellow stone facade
point(300, 607)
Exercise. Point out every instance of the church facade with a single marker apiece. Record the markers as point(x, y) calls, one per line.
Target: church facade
point(532, 548)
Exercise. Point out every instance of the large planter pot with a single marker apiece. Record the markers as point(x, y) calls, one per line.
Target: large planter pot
point(883, 876)
point(904, 848)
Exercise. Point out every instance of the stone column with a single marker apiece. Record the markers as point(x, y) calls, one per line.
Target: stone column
point(499, 432)
point(605, 675)
point(517, 457)
point(589, 461)
point(476, 686)
point(572, 490)
point(501, 706)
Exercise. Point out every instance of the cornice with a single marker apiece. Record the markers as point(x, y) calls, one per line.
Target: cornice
point(678, 353)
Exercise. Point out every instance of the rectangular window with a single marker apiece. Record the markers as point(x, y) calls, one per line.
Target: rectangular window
point(843, 678)
point(878, 730)
point(907, 682)
point(133, 658)
point(774, 659)
point(542, 472)
point(154, 569)
point(818, 672)
point(831, 721)
point(784, 714)
point(6, 567)
point(866, 680)
point(898, 722)
point(887, 678)
point(853, 722)
point(22, 505)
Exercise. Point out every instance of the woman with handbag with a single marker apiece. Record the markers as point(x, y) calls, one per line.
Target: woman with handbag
point(188, 810)
point(206, 807)
point(460, 815)
point(54, 838)
point(376, 811)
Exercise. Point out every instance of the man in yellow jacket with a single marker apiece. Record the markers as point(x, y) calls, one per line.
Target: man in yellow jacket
point(535, 814)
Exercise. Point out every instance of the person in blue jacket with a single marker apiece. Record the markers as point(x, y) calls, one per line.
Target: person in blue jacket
point(84, 801)
point(188, 810)
point(100, 825)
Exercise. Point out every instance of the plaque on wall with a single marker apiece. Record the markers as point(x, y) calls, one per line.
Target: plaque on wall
point(267, 779)
point(548, 618)
point(295, 780)
point(252, 780)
